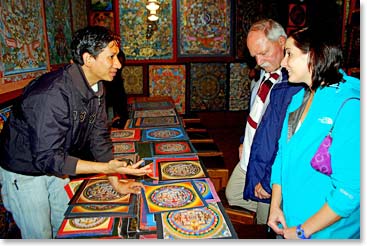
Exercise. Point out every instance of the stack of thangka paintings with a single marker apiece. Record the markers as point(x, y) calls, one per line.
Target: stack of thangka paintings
point(179, 201)
point(95, 209)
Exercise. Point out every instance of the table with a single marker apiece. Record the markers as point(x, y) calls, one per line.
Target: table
point(179, 200)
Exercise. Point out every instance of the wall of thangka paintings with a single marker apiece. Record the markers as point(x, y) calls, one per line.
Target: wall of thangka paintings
point(208, 89)
point(34, 38)
point(187, 31)
point(196, 54)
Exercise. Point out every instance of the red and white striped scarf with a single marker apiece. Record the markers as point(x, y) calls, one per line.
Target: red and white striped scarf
point(257, 111)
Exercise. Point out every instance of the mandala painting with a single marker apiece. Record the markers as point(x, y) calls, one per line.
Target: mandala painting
point(164, 134)
point(171, 196)
point(91, 226)
point(123, 147)
point(133, 79)
point(208, 86)
point(173, 148)
point(182, 169)
point(198, 223)
point(98, 191)
point(120, 135)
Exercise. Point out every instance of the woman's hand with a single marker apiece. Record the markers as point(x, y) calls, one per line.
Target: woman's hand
point(290, 233)
point(122, 167)
point(276, 216)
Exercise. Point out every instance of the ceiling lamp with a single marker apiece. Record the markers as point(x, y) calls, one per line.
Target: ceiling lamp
point(153, 17)
point(152, 6)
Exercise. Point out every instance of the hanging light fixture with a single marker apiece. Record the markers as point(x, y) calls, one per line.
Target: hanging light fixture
point(152, 6)
point(153, 17)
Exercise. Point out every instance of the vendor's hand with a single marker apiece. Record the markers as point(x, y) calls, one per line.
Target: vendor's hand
point(128, 187)
point(276, 216)
point(122, 167)
point(260, 192)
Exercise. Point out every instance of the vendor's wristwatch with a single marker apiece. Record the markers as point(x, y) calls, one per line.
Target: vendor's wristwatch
point(301, 233)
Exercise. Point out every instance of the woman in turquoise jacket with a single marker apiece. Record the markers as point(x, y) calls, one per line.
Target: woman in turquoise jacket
point(305, 202)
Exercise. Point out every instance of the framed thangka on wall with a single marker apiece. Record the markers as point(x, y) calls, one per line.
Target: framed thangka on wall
point(79, 13)
point(239, 87)
point(133, 80)
point(102, 18)
point(23, 50)
point(204, 28)
point(169, 80)
point(134, 27)
point(208, 87)
point(58, 21)
point(247, 13)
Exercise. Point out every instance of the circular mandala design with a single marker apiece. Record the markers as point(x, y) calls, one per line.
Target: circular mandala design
point(172, 147)
point(204, 20)
point(122, 147)
point(164, 133)
point(208, 87)
point(184, 169)
point(200, 222)
point(125, 134)
point(86, 223)
point(172, 196)
point(101, 191)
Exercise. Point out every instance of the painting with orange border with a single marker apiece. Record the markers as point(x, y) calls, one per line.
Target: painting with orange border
point(171, 196)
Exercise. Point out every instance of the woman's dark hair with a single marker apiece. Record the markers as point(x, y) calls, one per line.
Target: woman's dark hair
point(325, 57)
point(91, 39)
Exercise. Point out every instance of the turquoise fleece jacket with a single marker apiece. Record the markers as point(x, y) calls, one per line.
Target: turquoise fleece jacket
point(305, 190)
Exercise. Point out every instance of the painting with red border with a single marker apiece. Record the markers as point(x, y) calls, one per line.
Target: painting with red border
point(122, 135)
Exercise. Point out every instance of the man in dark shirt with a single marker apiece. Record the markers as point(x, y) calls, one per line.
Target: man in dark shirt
point(59, 115)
